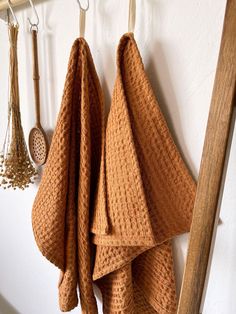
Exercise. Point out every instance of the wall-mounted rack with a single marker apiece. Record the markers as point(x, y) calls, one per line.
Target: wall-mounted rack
point(14, 3)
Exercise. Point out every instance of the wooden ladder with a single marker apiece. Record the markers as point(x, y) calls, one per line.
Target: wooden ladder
point(214, 162)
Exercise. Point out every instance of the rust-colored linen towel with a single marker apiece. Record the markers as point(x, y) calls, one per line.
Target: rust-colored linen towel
point(149, 197)
point(61, 211)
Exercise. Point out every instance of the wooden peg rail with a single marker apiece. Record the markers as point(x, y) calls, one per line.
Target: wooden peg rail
point(14, 3)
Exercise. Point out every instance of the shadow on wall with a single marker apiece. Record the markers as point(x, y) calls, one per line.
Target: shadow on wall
point(160, 93)
point(6, 307)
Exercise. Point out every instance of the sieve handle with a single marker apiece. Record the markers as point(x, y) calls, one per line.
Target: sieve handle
point(36, 76)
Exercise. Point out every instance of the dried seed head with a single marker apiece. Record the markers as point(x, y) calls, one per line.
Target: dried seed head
point(16, 168)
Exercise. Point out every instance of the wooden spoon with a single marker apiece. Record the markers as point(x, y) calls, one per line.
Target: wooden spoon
point(38, 144)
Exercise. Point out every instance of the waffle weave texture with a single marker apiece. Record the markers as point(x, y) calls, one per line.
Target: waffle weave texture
point(109, 204)
point(149, 197)
point(61, 211)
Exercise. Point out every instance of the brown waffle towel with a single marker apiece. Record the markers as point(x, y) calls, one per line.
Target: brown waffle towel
point(149, 197)
point(144, 197)
point(61, 209)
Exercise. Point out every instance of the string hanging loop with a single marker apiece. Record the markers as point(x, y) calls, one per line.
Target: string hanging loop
point(132, 15)
point(82, 17)
point(16, 23)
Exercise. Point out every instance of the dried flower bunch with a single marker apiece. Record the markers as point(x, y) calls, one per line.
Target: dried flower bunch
point(16, 168)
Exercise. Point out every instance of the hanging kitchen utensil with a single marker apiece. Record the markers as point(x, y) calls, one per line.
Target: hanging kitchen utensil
point(38, 143)
point(16, 168)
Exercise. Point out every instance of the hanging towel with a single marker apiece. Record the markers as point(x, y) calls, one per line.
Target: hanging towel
point(61, 211)
point(149, 197)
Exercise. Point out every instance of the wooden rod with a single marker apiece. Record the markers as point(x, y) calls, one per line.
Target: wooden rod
point(14, 3)
point(211, 170)
point(217, 220)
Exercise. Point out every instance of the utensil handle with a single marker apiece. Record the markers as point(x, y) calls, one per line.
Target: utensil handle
point(36, 76)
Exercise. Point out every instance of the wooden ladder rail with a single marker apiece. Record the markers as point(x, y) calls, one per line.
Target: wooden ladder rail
point(211, 176)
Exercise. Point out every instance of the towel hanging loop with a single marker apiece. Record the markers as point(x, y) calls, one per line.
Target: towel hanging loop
point(82, 18)
point(34, 25)
point(132, 15)
point(13, 13)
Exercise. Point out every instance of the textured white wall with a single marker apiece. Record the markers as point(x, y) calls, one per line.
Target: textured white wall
point(179, 41)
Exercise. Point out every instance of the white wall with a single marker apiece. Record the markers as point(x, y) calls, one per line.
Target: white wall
point(179, 41)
